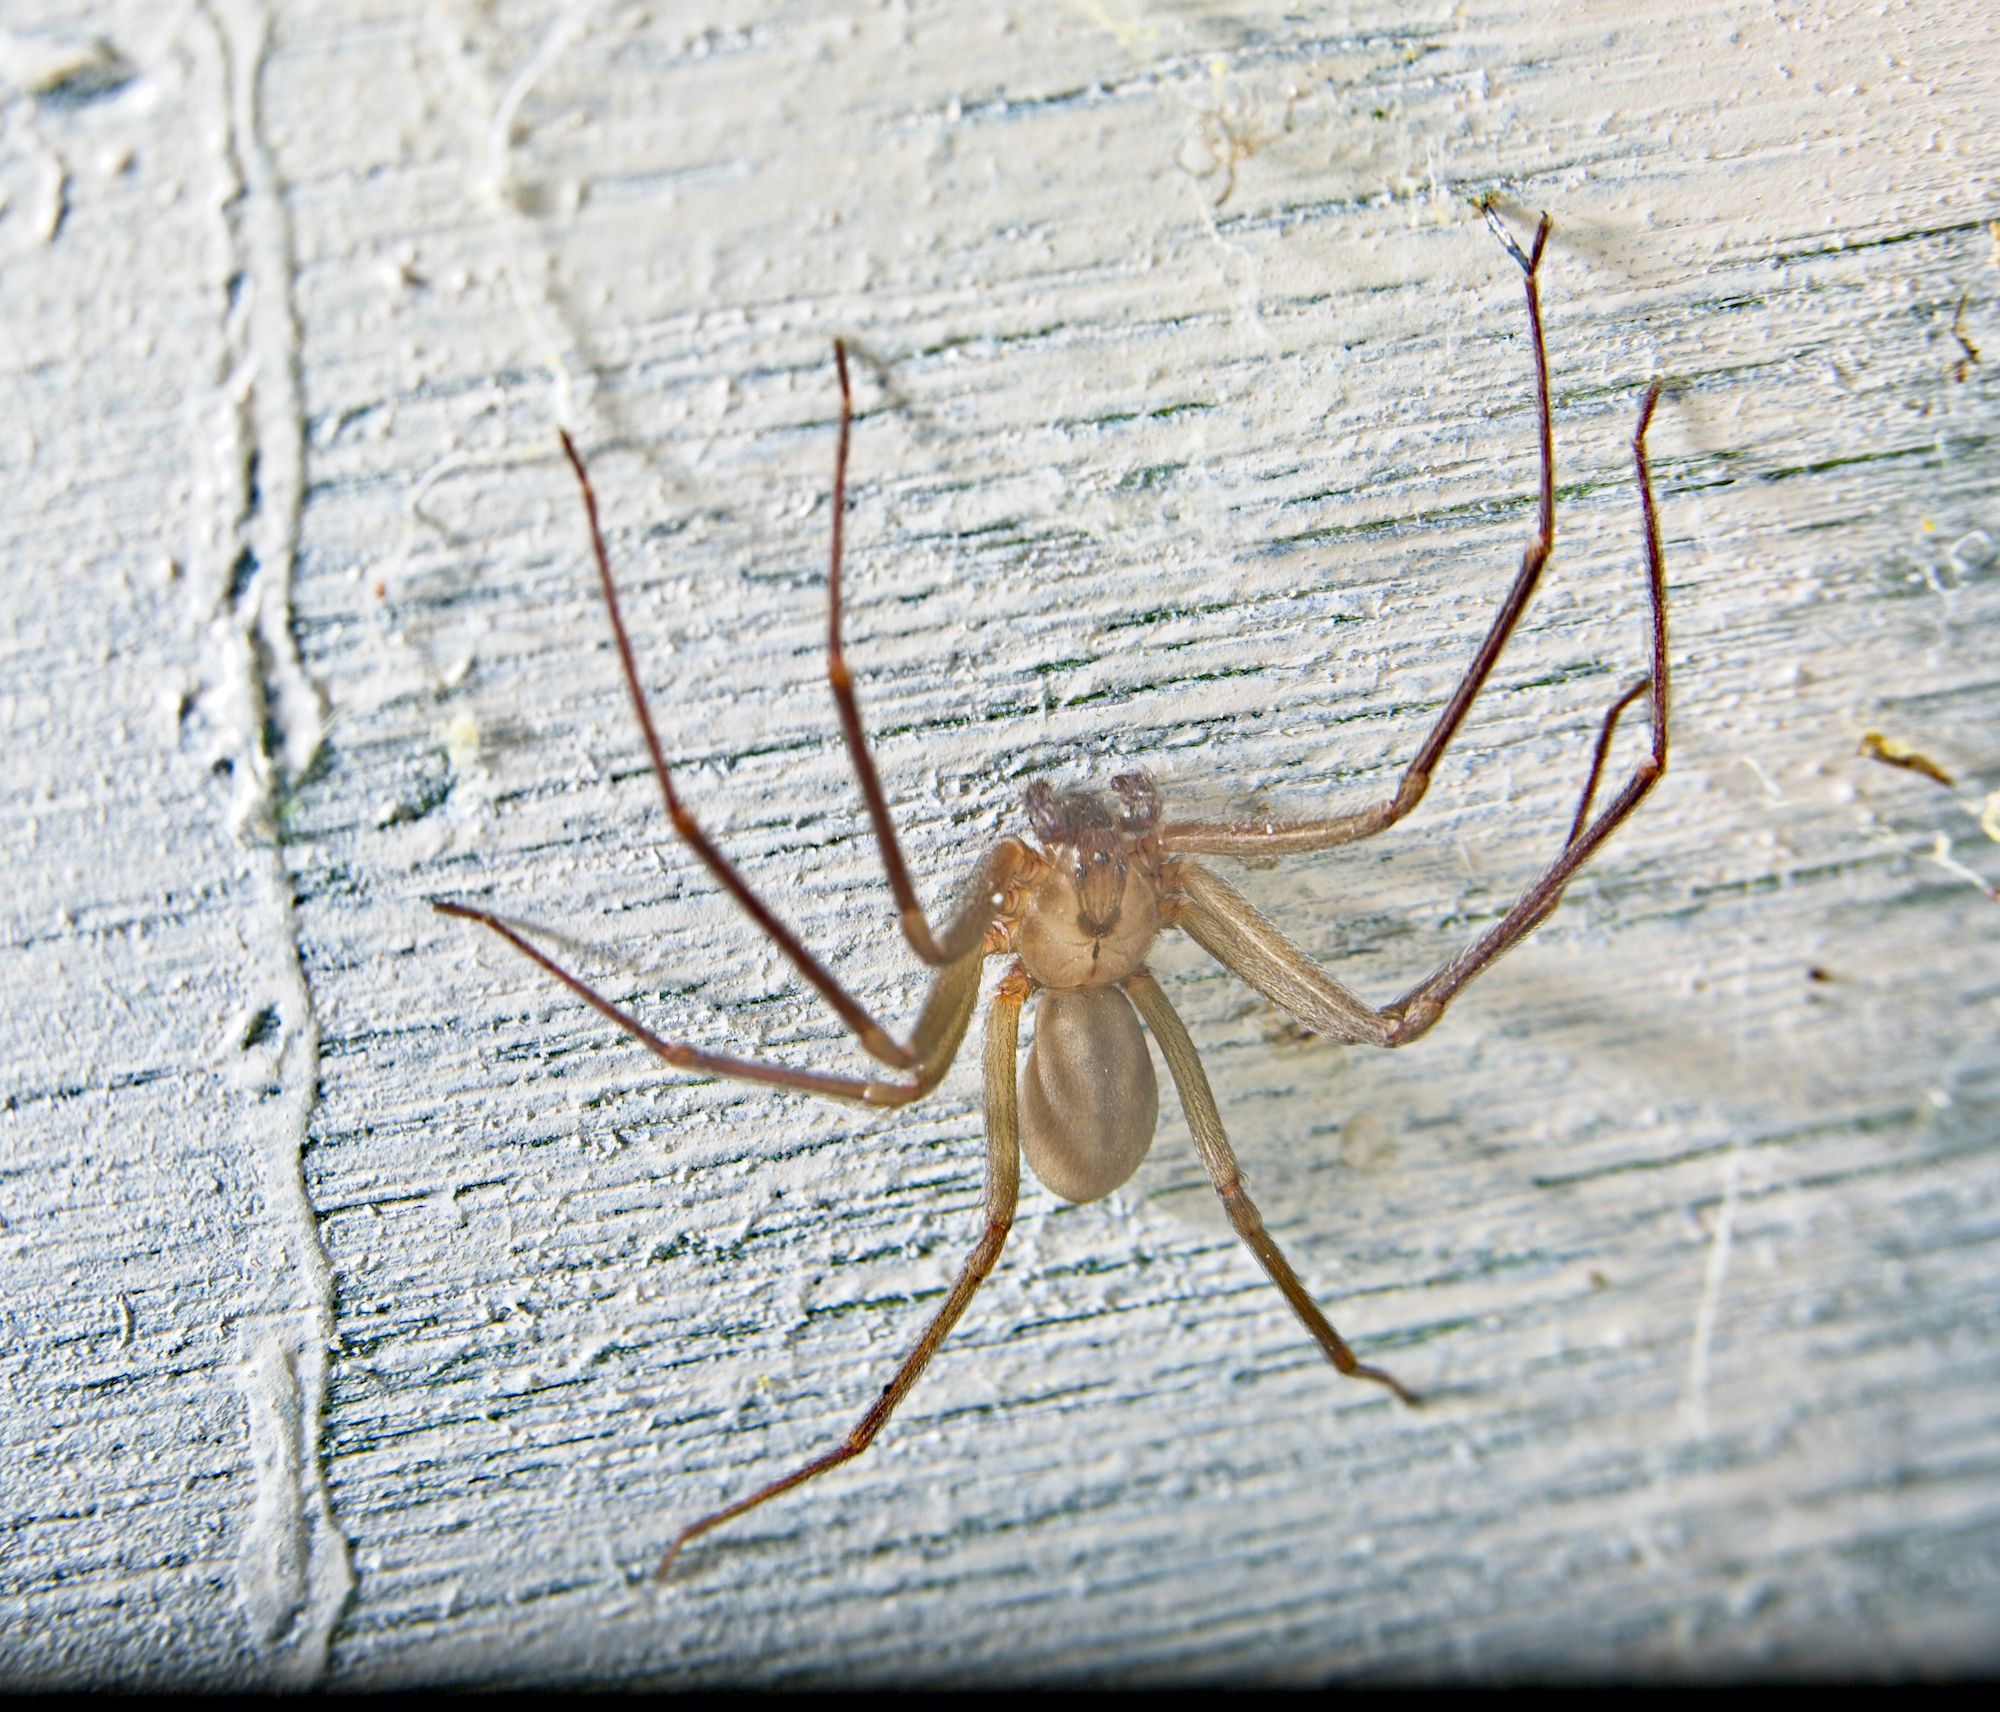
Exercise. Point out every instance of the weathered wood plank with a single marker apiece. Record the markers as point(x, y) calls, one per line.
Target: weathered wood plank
point(343, 1248)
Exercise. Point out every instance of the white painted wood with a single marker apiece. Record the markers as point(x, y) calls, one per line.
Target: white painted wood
point(375, 1314)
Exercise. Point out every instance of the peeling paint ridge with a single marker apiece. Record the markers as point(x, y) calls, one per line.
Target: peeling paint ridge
point(292, 1572)
point(266, 344)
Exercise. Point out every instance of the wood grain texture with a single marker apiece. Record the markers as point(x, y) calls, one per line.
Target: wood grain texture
point(376, 1314)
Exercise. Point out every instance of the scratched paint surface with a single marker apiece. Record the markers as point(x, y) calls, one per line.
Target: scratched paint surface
point(376, 1313)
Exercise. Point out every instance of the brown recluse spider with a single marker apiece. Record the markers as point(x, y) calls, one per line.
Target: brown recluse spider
point(1078, 915)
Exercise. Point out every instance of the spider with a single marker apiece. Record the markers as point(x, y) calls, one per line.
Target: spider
point(1077, 910)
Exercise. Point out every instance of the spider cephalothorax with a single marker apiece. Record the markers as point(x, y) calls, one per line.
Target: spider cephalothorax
point(1093, 904)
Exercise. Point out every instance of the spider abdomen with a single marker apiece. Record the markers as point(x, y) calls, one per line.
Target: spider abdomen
point(1089, 1099)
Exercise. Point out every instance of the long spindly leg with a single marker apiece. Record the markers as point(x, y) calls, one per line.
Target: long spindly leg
point(1219, 919)
point(1424, 1003)
point(934, 1042)
point(916, 927)
point(967, 928)
point(1213, 1145)
point(1003, 1187)
point(1223, 922)
point(1267, 838)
